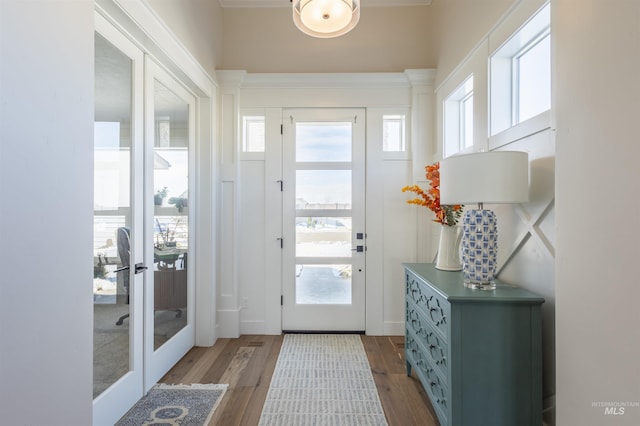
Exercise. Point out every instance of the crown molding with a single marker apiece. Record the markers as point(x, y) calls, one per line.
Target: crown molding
point(325, 80)
point(287, 3)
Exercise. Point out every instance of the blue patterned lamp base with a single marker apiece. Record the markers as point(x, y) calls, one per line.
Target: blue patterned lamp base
point(479, 249)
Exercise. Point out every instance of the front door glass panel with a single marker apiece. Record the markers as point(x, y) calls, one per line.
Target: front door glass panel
point(323, 212)
point(323, 189)
point(319, 142)
point(323, 284)
point(323, 236)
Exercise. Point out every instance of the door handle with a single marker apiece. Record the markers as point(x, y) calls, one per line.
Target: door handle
point(140, 267)
point(124, 268)
point(359, 249)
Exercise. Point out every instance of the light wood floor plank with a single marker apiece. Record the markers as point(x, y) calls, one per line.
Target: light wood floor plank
point(247, 365)
point(202, 365)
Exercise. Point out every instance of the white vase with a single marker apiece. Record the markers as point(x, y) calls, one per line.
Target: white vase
point(448, 258)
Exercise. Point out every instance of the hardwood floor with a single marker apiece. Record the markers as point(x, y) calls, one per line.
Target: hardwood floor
point(247, 364)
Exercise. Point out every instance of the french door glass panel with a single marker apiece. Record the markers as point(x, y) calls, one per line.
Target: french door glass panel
point(118, 225)
point(323, 214)
point(170, 129)
point(171, 220)
point(112, 216)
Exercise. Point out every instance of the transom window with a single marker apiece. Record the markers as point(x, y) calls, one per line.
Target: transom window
point(458, 119)
point(393, 133)
point(253, 134)
point(521, 74)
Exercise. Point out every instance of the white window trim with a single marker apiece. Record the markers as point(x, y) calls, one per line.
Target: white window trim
point(522, 130)
point(502, 63)
point(463, 120)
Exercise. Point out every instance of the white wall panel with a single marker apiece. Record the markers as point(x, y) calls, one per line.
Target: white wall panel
point(387, 247)
point(399, 241)
point(228, 304)
point(526, 255)
point(251, 246)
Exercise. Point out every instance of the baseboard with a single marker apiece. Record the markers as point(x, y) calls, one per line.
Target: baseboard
point(230, 326)
point(394, 328)
point(229, 323)
point(252, 327)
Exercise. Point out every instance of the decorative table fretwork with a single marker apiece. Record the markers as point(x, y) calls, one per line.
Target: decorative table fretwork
point(477, 353)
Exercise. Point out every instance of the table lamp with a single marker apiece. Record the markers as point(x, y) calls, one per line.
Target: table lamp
point(493, 177)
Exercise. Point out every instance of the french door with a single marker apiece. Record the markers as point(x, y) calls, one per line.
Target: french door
point(118, 236)
point(324, 239)
point(143, 269)
point(169, 283)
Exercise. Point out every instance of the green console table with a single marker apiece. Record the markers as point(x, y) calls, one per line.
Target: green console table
point(477, 353)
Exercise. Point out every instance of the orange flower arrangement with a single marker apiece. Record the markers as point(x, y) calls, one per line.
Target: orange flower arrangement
point(446, 215)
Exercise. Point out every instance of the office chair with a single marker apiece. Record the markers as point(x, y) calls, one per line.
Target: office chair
point(124, 250)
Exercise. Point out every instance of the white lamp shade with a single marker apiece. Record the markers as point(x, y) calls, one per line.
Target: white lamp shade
point(485, 177)
point(326, 18)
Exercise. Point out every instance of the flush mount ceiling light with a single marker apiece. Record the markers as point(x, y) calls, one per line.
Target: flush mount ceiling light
point(326, 18)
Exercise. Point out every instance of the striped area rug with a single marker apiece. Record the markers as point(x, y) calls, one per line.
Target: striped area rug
point(322, 379)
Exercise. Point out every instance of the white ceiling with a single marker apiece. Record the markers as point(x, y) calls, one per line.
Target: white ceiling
point(287, 3)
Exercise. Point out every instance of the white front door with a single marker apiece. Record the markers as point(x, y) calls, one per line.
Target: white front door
point(324, 237)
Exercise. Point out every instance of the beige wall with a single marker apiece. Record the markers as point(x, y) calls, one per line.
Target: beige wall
point(598, 189)
point(198, 25)
point(385, 40)
point(459, 26)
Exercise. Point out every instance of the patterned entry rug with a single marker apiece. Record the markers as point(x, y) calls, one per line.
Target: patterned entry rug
point(191, 405)
point(322, 379)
